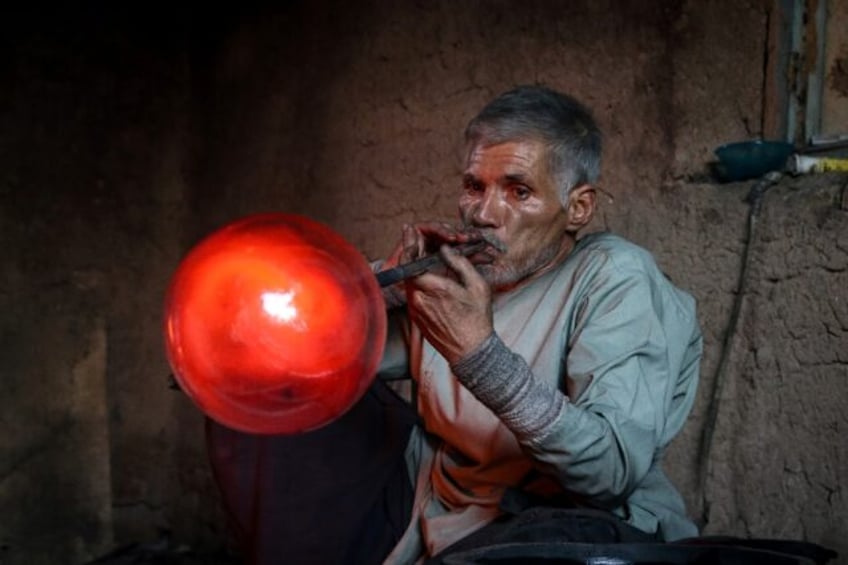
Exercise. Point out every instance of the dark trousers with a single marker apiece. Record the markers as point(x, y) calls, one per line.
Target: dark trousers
point(534, 526)
point(339, 494)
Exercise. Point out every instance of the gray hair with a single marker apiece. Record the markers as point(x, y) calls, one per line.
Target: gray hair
point(563, 124)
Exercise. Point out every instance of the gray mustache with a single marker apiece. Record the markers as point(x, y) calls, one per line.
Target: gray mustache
point(487, 235)
point(493, 240)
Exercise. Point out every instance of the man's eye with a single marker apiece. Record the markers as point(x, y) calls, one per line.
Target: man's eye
point(471, 186)
point(521, 192)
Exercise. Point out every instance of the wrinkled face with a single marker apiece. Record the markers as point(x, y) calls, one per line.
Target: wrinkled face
point(509, 194)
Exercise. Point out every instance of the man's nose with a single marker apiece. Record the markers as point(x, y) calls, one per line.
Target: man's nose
point(487, 212)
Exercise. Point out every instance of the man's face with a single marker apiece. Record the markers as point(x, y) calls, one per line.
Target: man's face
point(509, 194)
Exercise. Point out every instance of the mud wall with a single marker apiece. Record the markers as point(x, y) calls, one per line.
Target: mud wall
point(775, 466)
point(126, 135)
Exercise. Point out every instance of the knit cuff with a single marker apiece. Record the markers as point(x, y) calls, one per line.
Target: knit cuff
point(503, 381)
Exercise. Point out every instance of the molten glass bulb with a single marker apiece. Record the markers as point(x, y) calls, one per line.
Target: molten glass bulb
point(274, 324)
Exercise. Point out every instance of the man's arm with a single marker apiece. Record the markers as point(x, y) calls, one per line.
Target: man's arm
point(603, 442)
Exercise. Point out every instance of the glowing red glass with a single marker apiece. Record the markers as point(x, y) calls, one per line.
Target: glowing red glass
point(274, 324)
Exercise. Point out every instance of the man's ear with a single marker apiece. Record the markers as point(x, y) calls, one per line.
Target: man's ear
point(581, 206)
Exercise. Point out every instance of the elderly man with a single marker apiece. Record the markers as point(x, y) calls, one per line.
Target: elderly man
point(556, 367)
point(550, 371)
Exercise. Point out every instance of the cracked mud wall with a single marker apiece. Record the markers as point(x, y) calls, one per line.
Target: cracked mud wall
point(778, 466)
point(780, 448)
point(124, 137)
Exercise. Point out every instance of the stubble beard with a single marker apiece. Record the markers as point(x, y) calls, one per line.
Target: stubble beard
point(504, 274)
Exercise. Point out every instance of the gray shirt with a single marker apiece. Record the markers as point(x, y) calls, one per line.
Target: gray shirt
point(591, 371)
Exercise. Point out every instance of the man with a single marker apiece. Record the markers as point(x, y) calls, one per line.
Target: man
point(557, 366)
point(551, 371)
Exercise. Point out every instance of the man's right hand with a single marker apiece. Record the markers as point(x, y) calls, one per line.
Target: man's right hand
point(418, 240)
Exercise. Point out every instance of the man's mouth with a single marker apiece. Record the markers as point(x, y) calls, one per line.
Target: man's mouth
point(496, 244)
point(482, 258)
point(487, 235)
point(494, 247)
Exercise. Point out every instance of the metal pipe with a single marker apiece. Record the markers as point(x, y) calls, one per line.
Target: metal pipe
point(420, 266)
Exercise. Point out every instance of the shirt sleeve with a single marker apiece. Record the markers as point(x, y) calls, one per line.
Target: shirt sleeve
point(395, 361)
point(394, 364)
point(602, 442)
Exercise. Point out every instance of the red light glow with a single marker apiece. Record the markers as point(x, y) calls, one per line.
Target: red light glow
point(274, 324)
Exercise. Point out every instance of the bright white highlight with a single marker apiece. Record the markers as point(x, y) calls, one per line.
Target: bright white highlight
point(279, 305)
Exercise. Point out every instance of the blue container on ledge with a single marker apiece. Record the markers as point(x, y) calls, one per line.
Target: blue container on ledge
point(745, 160)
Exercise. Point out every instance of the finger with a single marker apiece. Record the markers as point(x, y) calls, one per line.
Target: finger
point(438, 233)
point(460, 265)
point(433, 283)
point(410, 241)
point(441, 231)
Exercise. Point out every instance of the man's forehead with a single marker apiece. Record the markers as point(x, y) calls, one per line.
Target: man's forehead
point(517, 155)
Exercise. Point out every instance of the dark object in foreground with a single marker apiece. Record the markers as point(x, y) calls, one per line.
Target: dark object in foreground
point(700, 551)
